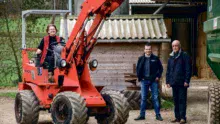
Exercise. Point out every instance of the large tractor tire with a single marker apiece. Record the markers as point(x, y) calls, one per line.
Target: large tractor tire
point(26, 107)
point(134, 99)
point(118, 108)
point(214, 105)
point(69, 108)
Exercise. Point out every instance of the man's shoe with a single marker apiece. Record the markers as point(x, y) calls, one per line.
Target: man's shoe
point(159, 118)
point(175, 120)
point(182, 121)
point(139, 118)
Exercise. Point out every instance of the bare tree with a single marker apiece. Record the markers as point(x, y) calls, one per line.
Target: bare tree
point(10, 11)
point(10, 34)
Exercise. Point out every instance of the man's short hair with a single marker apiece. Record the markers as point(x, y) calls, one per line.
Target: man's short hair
point(178, 42)
point(147, 44)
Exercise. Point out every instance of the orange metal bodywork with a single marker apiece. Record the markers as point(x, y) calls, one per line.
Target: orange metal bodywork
point(42, 88)
point(36, 78)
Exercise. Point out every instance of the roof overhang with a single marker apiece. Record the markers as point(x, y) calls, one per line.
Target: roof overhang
point(121, 29)
point(172, 3)
point(168, 40)
point(184, 1)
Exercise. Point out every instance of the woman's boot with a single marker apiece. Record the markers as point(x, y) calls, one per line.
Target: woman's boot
point(50, 77)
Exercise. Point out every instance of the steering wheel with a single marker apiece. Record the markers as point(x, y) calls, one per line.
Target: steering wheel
point(56, 43)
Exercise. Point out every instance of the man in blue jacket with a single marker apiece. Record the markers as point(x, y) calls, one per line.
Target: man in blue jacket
point(149, 70)
point(178, 77)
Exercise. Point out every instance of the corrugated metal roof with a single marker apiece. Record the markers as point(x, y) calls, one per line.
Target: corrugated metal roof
point(140, 1)
point(130, 28)
point(170, 2)
point(182, 0)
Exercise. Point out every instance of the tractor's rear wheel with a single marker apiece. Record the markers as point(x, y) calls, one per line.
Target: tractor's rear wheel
point(214, 105)
point(134, 99)
point(117, 106)
point(26, 107)
point(69, 108)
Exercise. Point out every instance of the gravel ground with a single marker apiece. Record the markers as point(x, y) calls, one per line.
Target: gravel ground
point(7, 115)
point(196, 110)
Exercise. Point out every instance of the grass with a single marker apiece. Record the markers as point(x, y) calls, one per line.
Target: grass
point(167, 104)
point(8, 94)
point(8, 80)
point(8, 83)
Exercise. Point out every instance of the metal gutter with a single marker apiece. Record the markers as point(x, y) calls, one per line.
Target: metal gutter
point(158, 5)
point(123, 17)
point(134, 40)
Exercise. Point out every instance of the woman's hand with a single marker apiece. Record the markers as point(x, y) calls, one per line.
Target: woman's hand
point(38, 51)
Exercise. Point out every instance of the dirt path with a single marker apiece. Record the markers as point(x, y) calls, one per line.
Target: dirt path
point(7, 115)
point(197, 110)
point(196, 113)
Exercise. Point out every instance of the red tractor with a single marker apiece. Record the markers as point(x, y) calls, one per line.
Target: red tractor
point(72, 97)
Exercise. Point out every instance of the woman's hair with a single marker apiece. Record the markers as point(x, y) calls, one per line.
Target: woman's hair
point(49, 25)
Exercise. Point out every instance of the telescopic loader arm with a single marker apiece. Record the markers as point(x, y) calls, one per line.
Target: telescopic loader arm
point(101, 9)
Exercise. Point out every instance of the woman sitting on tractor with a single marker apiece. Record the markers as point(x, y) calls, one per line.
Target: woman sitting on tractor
point(45, 50)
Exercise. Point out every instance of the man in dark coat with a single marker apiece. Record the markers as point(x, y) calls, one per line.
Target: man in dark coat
point(149, 70)
point(178, 77)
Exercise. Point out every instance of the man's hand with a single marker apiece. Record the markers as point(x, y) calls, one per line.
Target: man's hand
point(186, 84)
point(157, 79)
point(168, 85)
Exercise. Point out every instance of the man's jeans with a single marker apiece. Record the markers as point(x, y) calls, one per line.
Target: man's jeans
point(145, 85)
point(180, 99)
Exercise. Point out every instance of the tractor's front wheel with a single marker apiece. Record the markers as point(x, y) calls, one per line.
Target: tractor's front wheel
point(117, 106)
point(26, 107)
point(214, 105)
point(69, 108)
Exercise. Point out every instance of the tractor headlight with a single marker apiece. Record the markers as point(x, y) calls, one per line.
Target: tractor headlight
point(93, 65)
point(63, 63)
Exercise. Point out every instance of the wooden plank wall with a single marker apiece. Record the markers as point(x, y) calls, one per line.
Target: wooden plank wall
point(115, 59)
point(204, 71)
point(166, 48)
point(164, 56)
